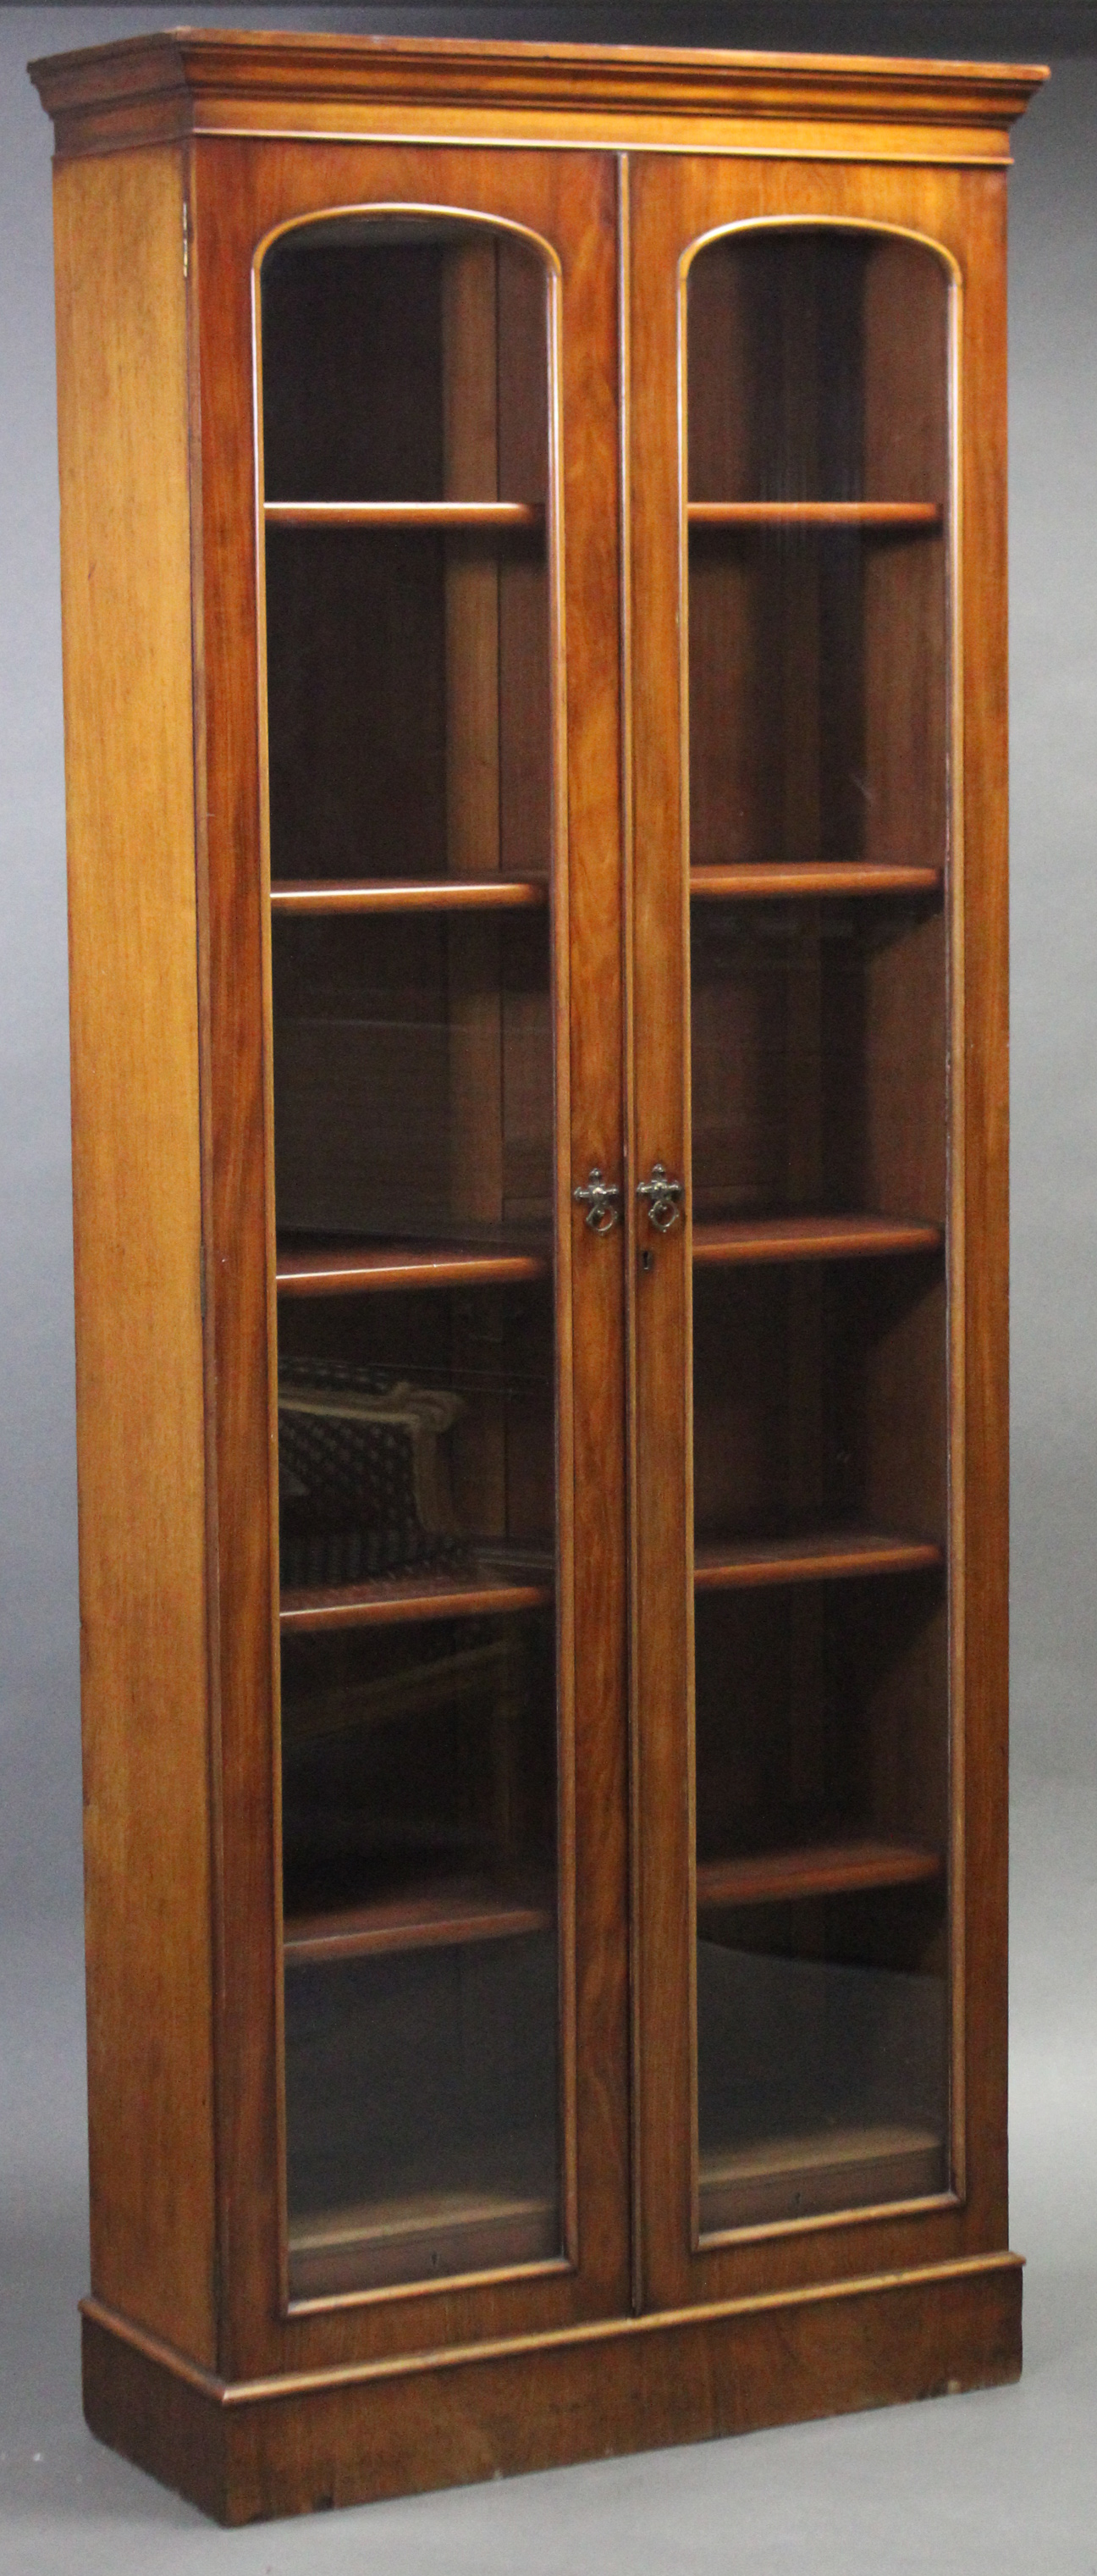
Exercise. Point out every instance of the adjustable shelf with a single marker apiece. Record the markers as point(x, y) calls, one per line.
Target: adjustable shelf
point(390, 1600)
point(822, 877)
point(816, 514)
point(290, 896)
point(355, 1269)
point(814, 1869)
point(430, 1918)
point(824, 1556)
point(449, 2232)
point(503, 515)
point(811, 1238)
point(829, 2169)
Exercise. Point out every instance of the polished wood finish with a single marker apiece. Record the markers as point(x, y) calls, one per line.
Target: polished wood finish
point(471, 2233)
point(830, 878)
point(821, 1869)
point(836, 2169)
point(821, 1557)
point(139, 1222)
point(668, 2297)
point(168, 87)
point(395, 1598)
point(628, 2385)
point(403, 514)
point(356, 1269)
point(673, 206)
point(446, 894)
point(568, 202)
point(815, 514)
point(811, 1238)
point(436, 1918)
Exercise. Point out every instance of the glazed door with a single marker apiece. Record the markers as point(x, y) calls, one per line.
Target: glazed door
point(797, 1481)
point(442, 1408)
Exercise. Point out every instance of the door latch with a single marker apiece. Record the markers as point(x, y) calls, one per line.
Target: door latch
point(601, 1201)
point(662, 1195)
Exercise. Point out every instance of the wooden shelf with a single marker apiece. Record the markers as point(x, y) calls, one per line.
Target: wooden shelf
point(777, 2179)
point(826, 877)
point(411, 894)
point(814, 1869)
point(404, 514)
point(392, 1599)
point(430, 1918)
point(447, 2232)
point(354, 1269)
point(815, 514)
point(734, 1564)
point(811, 1238)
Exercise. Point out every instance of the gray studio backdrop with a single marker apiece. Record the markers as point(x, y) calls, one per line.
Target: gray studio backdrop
point(1054, 612)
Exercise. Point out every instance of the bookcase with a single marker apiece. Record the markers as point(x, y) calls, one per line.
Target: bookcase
point(533, 559)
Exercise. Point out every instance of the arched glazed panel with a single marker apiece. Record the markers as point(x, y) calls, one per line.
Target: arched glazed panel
point(406, 373)
point(818, 507)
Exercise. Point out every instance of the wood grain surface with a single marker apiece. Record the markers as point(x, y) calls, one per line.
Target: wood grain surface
point(241, 192)
point(815, 514)
point(358, 1269)
point(159, 87)
point(632, 2385)
point(443, 894)
point(819, 1557)
point(179, 156)
point(435, 1918)
point(125, 537)
point(828, 877)
point(811, 1238)
point(403, 514)
point(397, 1598)
point(815, 1869)
point(672, 207)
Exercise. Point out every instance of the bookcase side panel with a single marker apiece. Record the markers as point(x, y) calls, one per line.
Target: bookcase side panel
point(126, 572)
point(980, 998)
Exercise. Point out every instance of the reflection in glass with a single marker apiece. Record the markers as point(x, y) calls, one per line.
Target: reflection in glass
point(413, 1077)
point(818, 373)
point(418, 1837)
point(817, 710)
point(403, 364)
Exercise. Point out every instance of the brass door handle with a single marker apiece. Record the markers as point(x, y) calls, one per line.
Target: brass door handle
point(662, 1195)
point(601, 1200)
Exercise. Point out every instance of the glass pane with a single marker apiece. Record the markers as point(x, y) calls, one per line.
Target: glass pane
point(405, 364)
point(413, 1077)
point(818, 368)
point(818, 703)
point(818, 375)
point(818, 1056)
point(406, 369)
point(416, 1433)
point(406, 755)
point(404, 359)
point(421, 2076)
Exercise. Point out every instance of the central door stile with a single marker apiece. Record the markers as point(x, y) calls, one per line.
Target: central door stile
point(590, 1041)
point(658, 1279)
point(628, 975)
point(637, 2065)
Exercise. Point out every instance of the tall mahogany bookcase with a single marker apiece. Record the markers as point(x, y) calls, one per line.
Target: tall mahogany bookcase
point(535, 682)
